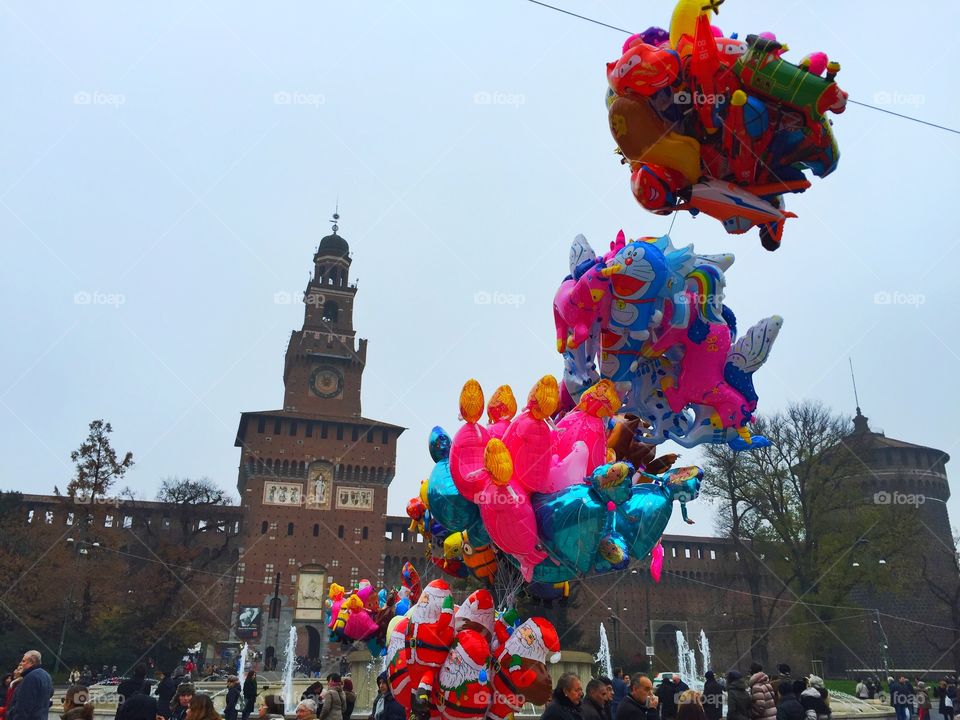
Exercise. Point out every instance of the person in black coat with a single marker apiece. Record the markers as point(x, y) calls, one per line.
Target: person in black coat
point(385, 706)
point(620, 690)
point(138, 706)
point(233, 698)
point(712, 696)
point(165, 691)
point(608, 697)
point(667, 694)
point(181, 701)
point(137, 685)
point(790, 707)
point(593, 705)
point(249, 694)
point(738, 697)
point(640, 703)
point(567, 698)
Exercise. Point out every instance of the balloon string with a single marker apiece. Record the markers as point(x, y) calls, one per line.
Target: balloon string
point(905, 117)
point(581, 17)
point(855, 102)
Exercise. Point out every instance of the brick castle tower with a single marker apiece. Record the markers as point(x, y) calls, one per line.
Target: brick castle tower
point(313, 475)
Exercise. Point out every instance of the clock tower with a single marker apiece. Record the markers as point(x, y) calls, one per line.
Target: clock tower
point(313, 476)
point(324, 362)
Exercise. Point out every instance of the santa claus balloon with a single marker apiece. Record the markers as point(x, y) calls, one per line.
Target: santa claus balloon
point(429, 635)
point(519, 673)
point(476, 613)
point(463, 690)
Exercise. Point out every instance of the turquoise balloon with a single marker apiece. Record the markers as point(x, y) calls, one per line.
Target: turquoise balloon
point(644, 516)
point(570, 522)
point(439, 444)
point(451, 509)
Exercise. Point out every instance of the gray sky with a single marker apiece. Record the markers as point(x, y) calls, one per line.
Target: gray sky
point(177, 162)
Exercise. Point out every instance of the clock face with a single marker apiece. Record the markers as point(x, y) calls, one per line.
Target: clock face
point(326, 381)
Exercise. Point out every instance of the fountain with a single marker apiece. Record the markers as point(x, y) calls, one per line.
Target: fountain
point(687, 661)
point(603, 656)
point(290, 662)
point(242, 664)
point(705, 652)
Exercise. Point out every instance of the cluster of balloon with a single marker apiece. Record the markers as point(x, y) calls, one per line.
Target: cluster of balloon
point(365, 614)
point(559, 495)
point(715, 124)
point(656, 327)
point(468, 662)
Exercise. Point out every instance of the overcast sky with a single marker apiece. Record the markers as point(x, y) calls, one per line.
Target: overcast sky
point(169, 168)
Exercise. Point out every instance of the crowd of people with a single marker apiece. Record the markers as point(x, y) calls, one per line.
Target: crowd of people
point(755, 696)
point(27, 694)
point(914, 699)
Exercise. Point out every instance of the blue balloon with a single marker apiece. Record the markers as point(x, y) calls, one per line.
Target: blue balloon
point(570, 522)
point(439, 444)
point(449, 508)
point(644, 516)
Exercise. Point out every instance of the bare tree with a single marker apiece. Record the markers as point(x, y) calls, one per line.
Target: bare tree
point(798, 518)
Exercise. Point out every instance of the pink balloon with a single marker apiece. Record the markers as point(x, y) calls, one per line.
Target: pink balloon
point(700, 380)
point(530, 444)
point(507, 513)
point(581, 427)
point(466, 458)
point(334, 612)
point(360, 625)
point(656, 562)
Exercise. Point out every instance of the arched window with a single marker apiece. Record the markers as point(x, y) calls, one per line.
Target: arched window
point(289, 528)
point(331, 312)
point(263, 527)
point(366, 532)
point(340, 532)
point(316, 529)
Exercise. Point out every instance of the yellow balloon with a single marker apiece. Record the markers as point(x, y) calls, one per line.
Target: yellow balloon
point(684, 20)
point(424, 498)
point(453, 546)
